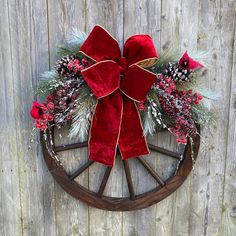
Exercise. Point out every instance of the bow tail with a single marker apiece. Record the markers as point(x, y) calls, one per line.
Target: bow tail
point(105, 129)
point(132, 141)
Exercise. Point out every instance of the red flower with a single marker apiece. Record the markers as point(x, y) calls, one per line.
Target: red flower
point(186, 62)
point(37, 110)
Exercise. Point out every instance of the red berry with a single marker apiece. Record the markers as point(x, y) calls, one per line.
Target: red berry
point(50, 106)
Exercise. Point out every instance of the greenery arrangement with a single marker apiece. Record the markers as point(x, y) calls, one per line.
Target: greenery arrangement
point(176, 101)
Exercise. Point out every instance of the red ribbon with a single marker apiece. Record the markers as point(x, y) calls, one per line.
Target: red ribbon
point(117, 82)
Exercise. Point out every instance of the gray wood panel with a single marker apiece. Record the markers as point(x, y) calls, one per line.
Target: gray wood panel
point(31, 203)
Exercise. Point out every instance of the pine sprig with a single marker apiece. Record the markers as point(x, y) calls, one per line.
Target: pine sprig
point(149, 125)
point(152, 117)
point(84, 108)
point(171, 54)
point(50, 81)
point(202, 115)
point(72, 44)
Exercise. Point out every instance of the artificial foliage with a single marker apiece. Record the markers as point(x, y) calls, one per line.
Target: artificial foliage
point(175, 101)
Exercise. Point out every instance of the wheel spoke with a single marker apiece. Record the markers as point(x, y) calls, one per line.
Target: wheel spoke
point(70, 146)
point(104, 181)
point(151, 171)
point(164, 151)
point(80, 170)
point(129, 179)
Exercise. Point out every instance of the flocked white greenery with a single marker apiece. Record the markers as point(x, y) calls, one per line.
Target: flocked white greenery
point(84, 108)
point(85, 102)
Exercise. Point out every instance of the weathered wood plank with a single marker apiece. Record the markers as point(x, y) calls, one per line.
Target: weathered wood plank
point(30, 203)
point(215, 34)
point(129, 179)
point(108, 14)
point(10, 203)
point(151, 171)
point(104, 181)
point(81, 169)
point(166, 167)
point(142, 17)
point(228, 221)
point(186, 17)
point(29, 57)
point(71, 214)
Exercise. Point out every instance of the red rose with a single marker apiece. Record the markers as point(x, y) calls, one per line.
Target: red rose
point(37, 110)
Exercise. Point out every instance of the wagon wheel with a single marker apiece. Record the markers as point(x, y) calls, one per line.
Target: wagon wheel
point(134, 201)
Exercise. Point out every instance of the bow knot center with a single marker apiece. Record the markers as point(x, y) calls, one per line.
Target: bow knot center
point(123, 64)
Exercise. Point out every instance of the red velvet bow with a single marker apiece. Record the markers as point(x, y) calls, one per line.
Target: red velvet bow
point(117, 82)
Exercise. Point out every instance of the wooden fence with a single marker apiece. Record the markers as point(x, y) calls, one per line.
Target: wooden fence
point(31, 203)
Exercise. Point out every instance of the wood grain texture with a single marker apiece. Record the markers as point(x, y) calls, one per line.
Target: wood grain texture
point(228, 221)
point(10, 201)
point(142, 17)
point(216, 31)
point(32, 204)
point(63, 17)
point(29, 57)
point(188, 17)
point(109, 14)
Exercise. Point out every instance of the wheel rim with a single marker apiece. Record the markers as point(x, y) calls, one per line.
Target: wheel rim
point(133, 202)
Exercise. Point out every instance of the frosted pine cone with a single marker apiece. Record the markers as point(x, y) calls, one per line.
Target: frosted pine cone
point(62, 66)
point(176, 73)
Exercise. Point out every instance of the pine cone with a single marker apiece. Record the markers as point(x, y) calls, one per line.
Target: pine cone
point(62, 66)
point(176, 73)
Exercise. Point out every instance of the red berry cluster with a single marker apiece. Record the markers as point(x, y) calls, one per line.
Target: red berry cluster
point(42, 113)
point(176, 105)
point(64, 100)
point(59, 105)
point(141, 106)
point(167, 85)
point(76, 65)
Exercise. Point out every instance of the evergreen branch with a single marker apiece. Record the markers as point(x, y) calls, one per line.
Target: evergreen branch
point(84, 108)
point(171, 54)
point(72, 44)
point(202, 115)
point(50, 81)
point(149, 125)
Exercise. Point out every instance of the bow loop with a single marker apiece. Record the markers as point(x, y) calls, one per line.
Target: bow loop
point(103, 78)
point(116, 120)
point(100, 45)
point(140, 49)
point(137, 82)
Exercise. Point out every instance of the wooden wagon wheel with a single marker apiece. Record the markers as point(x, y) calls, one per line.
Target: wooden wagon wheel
point(133, 202)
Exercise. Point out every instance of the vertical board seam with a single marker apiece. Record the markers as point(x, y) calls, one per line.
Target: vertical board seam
point(229, 112)
point(18, 169)
point(49, 66)
point(48, 26)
